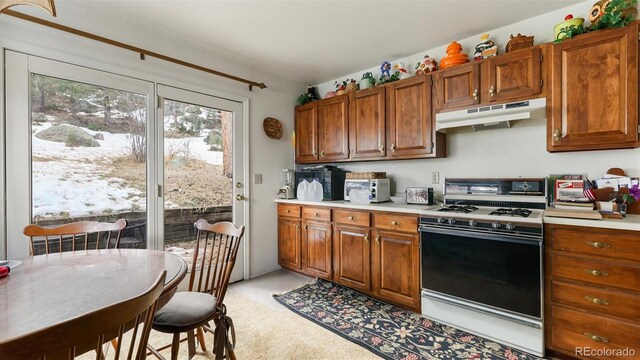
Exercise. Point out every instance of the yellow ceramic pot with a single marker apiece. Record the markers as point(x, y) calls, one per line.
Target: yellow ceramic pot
point(565, 28)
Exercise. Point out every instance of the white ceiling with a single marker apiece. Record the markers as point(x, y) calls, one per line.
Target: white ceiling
point(306, 41)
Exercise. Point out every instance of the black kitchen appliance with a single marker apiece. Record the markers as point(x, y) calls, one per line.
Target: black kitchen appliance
point(331, 179)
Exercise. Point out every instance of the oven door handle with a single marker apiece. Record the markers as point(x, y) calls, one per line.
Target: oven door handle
point(480, 235)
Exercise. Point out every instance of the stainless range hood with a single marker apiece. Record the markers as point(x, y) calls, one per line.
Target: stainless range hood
point(493, 116)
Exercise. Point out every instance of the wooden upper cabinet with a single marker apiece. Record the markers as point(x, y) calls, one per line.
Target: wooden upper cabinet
point(512, 76)
point(410, 119)
point(306, 128)
point(458, 87)
point(594, 100)
point(367, 121)
point(333, 128)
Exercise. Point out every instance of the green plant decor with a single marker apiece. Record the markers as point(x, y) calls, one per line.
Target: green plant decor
point(388, 79)
point(618, 14)
point(304, 98)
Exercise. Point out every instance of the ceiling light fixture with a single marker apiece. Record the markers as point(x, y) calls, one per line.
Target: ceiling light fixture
point(47, 5)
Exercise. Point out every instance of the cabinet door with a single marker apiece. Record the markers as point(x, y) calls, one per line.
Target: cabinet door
point(316, 249)
point(289, 243)
point(595, 92)
point(396, 268)
point(333, 128)
point(513, 76)
point(306, 127)
point(352, 257)
point(367, 124)
point(410, 118)
point(458, 87)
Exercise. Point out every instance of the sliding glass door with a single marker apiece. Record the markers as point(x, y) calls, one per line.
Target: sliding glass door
point(83, 144)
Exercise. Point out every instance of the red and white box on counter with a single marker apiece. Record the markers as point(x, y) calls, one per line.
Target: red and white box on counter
point(570, 190)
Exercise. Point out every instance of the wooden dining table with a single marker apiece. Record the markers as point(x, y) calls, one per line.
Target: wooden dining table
point(46, 290)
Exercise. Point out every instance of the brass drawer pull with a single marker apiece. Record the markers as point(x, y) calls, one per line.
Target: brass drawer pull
point(378, 239)
point(321, 153)
point(492, 91)
point(306, 227)
point(557, 135)
point(297, 227)
point(475, 94)
point(598, 245)
point(366, 238)
point(395, 223)
point(317, 214)
point(381, 148)
point(288, 211)
point(595, 272)
point(393, 147)
point(597, 338)
point(352, 218)
point(595, 300)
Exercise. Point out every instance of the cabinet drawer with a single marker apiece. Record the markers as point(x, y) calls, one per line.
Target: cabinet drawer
point(316, 213)
point(596, 272)
point(573, 329)
point(352, 217)
point(396, 222)
point(615, 303)
point(592, 241)
point(289, 210)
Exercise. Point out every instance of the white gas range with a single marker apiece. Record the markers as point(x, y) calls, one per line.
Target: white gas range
point(482, 267)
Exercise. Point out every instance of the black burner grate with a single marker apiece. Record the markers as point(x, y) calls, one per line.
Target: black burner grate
point(511, 212)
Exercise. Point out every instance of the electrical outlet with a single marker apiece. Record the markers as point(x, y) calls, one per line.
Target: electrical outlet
point(435, 177)
point(257, 179)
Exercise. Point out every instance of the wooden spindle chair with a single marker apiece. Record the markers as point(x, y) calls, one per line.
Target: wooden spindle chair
point(90, 331)
point(74, 236)
point(211, 270)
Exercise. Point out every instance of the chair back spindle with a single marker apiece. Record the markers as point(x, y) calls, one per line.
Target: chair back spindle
point(214, 256)
point(74, 236)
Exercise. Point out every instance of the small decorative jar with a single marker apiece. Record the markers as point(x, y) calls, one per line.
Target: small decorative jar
point(367, 81)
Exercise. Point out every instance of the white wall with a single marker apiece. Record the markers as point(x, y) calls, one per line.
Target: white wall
point(266, 156)
point(519, 151)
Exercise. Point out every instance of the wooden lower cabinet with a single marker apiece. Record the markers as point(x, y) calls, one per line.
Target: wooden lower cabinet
point(377, 257)
point(316, 249)
point(592, 291)
point(396, 267)
point(289, 244)
point(352, 257)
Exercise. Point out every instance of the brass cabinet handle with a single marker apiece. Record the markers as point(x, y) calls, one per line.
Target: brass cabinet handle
point(395, 223)
point(289, 211)
point(475, 94)
point(595, 300)
point(321, 153)
point(381, 148)
point(366, 238)
point(297, 227)
point(595, 272)
point(556, 134)
point(317, 214)
point(378, 239)
point(314, 153)
point(492, 91)
point(393, 147)
point(351, 218)
point(598, 245)
point(306, 227)
point(597, 338)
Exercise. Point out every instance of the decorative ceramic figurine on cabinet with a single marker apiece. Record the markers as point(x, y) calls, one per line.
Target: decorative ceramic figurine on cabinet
point(385, 69)
point(351, 86)
point(485, 49)
point(367, 81)
point(569, 28)
point(309, 96)
point(427, 65)
point(612, 13)
point(519, 42)
point(454, 56)
point(329, 94)
point(341, 88)
point(401, 70)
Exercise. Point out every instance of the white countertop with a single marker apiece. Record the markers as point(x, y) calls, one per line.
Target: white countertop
point(630, 222)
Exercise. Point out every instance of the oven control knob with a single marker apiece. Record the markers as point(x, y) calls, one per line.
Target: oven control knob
point(496, 225)
point(441, 220)
point(473, 223)
point(452, 221)
point(510, 226)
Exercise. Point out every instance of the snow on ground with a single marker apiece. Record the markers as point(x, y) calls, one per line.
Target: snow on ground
point(72, 180)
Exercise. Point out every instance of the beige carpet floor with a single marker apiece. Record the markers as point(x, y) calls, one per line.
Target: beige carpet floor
point(266, 333)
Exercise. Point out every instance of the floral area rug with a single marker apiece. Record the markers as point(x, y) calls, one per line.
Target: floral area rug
point(386, 330)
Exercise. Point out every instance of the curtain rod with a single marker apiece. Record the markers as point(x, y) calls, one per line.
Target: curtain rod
point(141, 51)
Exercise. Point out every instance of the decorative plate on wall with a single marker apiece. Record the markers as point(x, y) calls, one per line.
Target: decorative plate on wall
point(272, 127)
